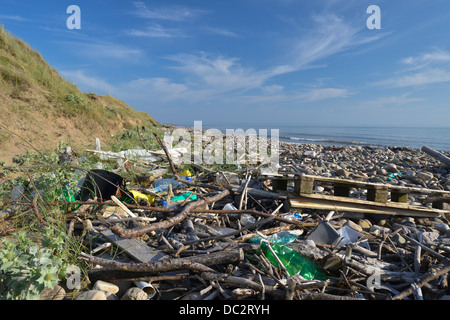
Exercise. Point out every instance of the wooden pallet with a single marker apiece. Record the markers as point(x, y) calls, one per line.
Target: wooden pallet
point(381, 198)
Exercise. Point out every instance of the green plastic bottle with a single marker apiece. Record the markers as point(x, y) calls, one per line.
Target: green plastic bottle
point(293, 261)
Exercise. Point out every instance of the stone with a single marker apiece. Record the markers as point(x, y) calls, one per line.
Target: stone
point(447, 234)
point(192, 296)
point(354, 226)
point(57, 293)
point(441, 227)
point(377, 230)
point(425, 176)
point(91, 295)
point(135, 293)
point(319, 189)
point(365, 224)
point(392, 168)
point(105, 287)
point(342, 173)
point(430, 238)
point(377, 180)
point(399, 239)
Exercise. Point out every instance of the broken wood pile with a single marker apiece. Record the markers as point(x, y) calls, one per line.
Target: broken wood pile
point(347, 223)
point(251, 236)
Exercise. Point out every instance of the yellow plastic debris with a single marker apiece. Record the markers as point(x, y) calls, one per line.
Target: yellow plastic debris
point(142, 198)
point(187, 174)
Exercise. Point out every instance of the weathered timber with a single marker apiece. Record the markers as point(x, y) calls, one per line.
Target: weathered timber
point(437, 155)
point(136, 232)
point(324, 202)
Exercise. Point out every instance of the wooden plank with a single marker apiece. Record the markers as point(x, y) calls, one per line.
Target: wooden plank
point(361, 184)
point(324, 202)
point(304, 185)
point(135, 248)
point(377, 194)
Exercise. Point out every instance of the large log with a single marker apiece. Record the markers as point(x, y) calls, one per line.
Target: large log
point(436, 154)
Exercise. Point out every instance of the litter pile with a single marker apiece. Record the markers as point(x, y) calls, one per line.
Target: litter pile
point(203, 234)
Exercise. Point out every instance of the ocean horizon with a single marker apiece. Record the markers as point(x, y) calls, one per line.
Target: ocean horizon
point(412, 137)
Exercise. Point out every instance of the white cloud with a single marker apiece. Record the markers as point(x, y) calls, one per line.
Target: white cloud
point(99, 50)
point(156, 31)
point(325, 93)
point(172, 13)
point(422, 78)
point(221, 32)
point(88, 83)
point(221, 73)
point(435, 56)
point(428, 68)
point(328, 36)
point(13, 18)
point(395, 100)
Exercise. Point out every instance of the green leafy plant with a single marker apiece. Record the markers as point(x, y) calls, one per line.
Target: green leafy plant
point(26, 269)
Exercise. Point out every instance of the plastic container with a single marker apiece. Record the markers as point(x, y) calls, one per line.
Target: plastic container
point(162, 185)
point(295, 216)
point(293, 261)
point(247, 219)
point(229, 206)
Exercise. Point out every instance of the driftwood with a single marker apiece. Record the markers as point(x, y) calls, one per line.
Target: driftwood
point(163, 265)
point(130, 233)
point(437, 155)
point(423, 281)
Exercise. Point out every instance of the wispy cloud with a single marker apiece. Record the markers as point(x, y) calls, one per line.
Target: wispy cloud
point(172, 13)
point(329, 35)
point(98, 50)
point(224, 74)
point(13, 18)
point(221, 32)
point(428, 68)
point(156, 31)
point(87, 82)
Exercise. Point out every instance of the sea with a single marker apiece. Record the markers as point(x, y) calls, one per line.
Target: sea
point(437, 138)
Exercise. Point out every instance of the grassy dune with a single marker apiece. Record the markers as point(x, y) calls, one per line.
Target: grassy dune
point(41, 107)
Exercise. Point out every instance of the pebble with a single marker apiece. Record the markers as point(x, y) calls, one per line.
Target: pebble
point(106, 287)
point(354, 226)
point(135, 293)
point(377, 230)
point(365, 224)
point(92, 295)
point(425, 176)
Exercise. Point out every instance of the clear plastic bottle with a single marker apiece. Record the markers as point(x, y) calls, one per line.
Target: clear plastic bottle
point(168, 140)
point(293, 261)
point(162, 185)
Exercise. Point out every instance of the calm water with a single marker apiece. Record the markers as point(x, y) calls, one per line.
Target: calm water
point(437, 138)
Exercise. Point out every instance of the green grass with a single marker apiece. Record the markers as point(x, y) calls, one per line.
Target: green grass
point(25, 76)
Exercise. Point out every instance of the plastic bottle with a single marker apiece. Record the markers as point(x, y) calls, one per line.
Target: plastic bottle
point(168, 140)
point(162, 185)
point(278, 238)
point(293, 261)
point(167, 205)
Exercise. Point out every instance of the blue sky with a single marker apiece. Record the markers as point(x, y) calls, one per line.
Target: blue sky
point(252, 61)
